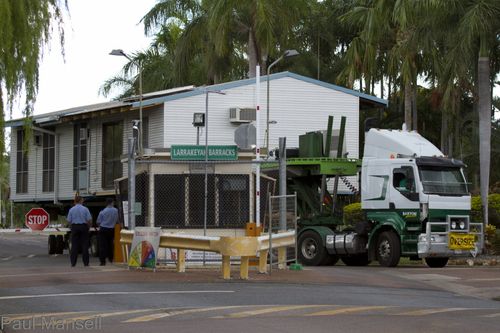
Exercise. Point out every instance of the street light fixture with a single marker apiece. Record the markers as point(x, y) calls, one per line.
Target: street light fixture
point(119, 52)
point(286, 54)
point(198, 121)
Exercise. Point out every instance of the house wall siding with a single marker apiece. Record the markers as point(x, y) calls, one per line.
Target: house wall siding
point(296, 106)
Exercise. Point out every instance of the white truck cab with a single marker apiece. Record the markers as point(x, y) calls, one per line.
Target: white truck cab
point(409, 186)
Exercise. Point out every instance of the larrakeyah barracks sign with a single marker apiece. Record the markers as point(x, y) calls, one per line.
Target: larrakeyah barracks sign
point(197, 153)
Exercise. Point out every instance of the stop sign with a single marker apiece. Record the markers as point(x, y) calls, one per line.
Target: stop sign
point(37, 219)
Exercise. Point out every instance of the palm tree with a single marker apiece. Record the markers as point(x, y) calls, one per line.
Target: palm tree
point(393, 33)
point(222, 29)
point(475, 37)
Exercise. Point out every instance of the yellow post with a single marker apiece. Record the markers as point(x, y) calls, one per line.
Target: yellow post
point(282, 258)
point(117, 249)
point(263, 261)
point(244, 268)
point(181, 260)
point(226, 267)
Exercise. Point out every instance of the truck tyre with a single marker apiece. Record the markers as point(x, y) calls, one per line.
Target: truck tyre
point(59, 244)
point(311, 251)
point(388, 249)
point(356, 260)
point(52, 244)
point(94, 246)
point(436, 262)
point(329, 260)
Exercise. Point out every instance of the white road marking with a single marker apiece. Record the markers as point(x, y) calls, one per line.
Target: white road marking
point(31, 256)
point(105, 293)
point(6, 258)
point(493, 315)
point(269, 310)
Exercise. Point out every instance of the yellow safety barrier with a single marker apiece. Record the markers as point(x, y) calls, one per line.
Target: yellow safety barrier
point(241, 246)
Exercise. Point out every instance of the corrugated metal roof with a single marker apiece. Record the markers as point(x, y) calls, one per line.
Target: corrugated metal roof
point(160, 93)
point(57, 115)
point(276, 76)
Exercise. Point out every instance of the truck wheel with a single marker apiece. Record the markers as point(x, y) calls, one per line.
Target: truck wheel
point(52, 244)
point(329, 260)
point(59, 244)
point(356, 260)
point(94, 247)
point(311, 250)
point(388, 249)
point(436, 262)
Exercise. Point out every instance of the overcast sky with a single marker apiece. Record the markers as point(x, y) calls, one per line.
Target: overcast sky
point(94, 28)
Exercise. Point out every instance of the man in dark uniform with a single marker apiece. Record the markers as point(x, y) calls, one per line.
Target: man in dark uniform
point(80, 219)
point(106, 220)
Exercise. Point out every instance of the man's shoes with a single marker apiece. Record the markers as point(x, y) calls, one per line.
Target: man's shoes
point(86, 265)
point(102, 264)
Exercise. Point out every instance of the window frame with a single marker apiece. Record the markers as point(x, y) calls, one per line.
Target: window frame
point(22, 176)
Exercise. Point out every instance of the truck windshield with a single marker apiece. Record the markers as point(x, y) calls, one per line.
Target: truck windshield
point(443, 181)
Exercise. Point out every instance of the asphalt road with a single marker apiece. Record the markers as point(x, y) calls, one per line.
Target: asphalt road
point(41, 293)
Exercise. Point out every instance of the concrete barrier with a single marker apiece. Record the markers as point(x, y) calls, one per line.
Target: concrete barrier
point(238, 246)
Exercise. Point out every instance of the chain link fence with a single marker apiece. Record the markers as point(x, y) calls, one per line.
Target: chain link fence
point(174, 195)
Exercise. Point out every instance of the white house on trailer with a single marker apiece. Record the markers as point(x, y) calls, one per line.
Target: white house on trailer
point(80, 149)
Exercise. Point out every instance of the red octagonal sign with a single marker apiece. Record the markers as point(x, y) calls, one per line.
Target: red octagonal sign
point(37, 219)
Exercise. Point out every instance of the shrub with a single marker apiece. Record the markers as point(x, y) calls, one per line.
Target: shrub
point(353, 214)
point(493, 209)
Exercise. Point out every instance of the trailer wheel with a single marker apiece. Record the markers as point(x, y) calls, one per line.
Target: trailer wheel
point(59, 244)
point(311, 251)
point(356, 260)
point(52, 244)
point(388, 249)
point(94, 246)
point(436, 262)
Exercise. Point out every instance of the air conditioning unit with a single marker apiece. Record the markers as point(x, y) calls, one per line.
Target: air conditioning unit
point(242, 115)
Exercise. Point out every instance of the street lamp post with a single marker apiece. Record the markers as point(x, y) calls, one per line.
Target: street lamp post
point(286, 54)
point(119, 52)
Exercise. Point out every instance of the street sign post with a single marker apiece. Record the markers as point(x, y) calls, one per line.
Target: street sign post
point(37, 219)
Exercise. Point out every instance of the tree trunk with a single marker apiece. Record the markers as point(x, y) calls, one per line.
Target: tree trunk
point(389, 88)
point(253, 54)
point(444, 131)
point(414, 105)
point(382, 87)
point(484, 109)
point(408, 93)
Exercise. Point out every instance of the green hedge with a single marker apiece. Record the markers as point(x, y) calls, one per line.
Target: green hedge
point(493, 209)
point(353, 213)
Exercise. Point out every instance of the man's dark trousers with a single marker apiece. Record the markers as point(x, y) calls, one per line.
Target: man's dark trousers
point(106, 236)
point(79, 241)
